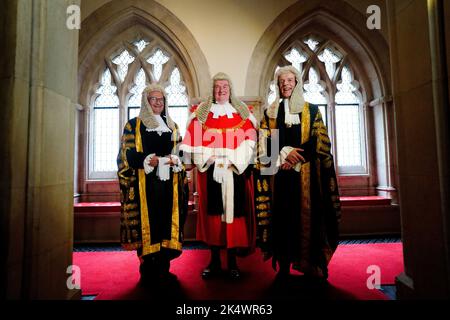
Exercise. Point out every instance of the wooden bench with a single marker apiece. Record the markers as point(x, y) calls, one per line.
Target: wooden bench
point(362, 215)
point(365, 201)
point(369, 215)
point(97, 222)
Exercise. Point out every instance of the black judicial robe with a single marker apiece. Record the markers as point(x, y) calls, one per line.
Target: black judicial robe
point(153, 212)
point(298, 212)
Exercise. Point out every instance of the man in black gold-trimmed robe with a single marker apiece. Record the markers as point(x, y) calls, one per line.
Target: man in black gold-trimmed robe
point(297, 198)
point(152, 186)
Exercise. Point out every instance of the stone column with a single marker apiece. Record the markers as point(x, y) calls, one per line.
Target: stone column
point(384, 138)
point(39, 87)
point(420, 91)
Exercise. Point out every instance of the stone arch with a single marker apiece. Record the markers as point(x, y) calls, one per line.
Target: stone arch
point(334, 20)
point(115, 18)
point(368, 51)
point(117, 21)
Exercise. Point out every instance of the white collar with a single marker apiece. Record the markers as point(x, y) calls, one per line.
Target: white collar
point(219, 110)
point(290, 118)
point(162, 125)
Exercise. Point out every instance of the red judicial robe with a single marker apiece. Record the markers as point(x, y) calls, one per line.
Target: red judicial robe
point(233, 139)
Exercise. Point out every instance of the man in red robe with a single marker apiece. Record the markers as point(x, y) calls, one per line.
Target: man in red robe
point(220, 141)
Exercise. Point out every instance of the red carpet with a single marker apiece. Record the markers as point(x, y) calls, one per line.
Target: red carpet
point(115, 275)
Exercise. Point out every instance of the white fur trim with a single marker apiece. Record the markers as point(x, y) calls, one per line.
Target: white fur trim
point(239, 157)
point(228, 196)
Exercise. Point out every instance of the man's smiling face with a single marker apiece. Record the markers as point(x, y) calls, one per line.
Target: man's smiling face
point(221, 91)
point(287, 83)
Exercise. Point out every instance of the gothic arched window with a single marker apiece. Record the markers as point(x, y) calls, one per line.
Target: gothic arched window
point(117, 97)
point(329, 82)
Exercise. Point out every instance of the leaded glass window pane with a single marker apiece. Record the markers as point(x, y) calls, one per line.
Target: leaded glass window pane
point(349, 136)
point(158, 59)
point(314, 89)
point(133, 112)
point(105, 125)
point(179, 114)
point(347, 88)
point(106, 144)
point(108, 115)
point(345, 117)
point(330, 57)
point(177, 100)
point(122, 61)
point(323, 111)
point(136, 91)
point(312, 43)
point(141, 44)
point(296, 58)
point(272, 95)
point(176, 91)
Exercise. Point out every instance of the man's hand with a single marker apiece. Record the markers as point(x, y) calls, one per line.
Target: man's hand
point(211, 160)
point(286, 166)
point(171, 161)
point(294, 157)
point(154, 161)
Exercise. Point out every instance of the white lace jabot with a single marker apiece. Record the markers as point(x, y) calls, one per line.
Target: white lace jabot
point(162, 126)
point(219, 110)
point(290, 118)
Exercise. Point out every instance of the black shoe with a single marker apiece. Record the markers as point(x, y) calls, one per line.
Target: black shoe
point(235, 274)
point(211, 271)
